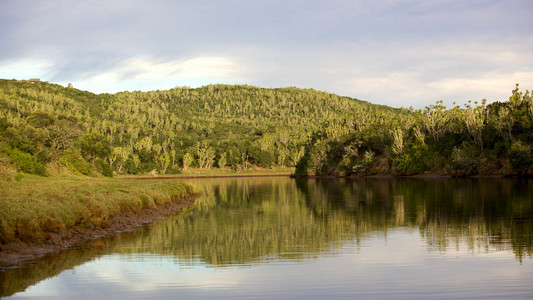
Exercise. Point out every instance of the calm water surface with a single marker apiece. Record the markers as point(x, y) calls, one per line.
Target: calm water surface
point(280, 238)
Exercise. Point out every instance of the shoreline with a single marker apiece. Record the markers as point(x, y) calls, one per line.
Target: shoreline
point(192, 176)
point(420, 176)
point(15, 254)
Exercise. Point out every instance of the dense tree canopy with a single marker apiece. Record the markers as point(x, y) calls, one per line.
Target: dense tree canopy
point(470, 140)
point(239, 126)
point(136, 132)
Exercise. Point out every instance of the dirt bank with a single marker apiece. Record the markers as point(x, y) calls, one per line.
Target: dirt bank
point(16, 253)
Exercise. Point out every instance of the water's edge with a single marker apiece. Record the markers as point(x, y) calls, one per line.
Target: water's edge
point(14, 255)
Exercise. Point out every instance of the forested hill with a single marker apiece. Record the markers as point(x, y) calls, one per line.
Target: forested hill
point(475, 139)
point(136, 132)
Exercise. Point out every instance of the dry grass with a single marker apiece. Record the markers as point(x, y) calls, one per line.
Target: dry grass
point(32, 206)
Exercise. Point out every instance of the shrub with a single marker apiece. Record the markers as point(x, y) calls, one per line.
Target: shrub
point(415, 159)
point(94, 145)
point(260, 157)
point(43, 156)
point(26, 162)
point(466, 158)
point(104, 168)
point(317, 159)
point(520, 156)
point(132, 165)
point(302, 165)
point(488, 164)
point(173, 170)
point(364, 163)
point(72, 160)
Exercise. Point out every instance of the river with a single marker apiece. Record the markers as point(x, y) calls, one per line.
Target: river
point(283, 238)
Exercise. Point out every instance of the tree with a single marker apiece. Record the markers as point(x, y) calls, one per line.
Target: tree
point(222, 161)
point(173, 156)
point(397, 145)
point(164, 160)
point(436, 119)
point(520, 156)
point(95, 145)
point(187, 160)
point(40, 119)
point(296, 154)
point(205, 155)
point(474, 118)
point(59, 138)
point(120, 155)
point(144, 144)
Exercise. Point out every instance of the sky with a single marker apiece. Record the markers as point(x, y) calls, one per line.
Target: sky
point(395, 52)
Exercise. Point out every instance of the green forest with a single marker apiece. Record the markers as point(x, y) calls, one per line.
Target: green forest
point(474, 139)
point(44, 125)
point(216, 126)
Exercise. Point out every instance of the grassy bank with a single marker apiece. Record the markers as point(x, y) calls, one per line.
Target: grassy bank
point(218, 172)
point(35, 207)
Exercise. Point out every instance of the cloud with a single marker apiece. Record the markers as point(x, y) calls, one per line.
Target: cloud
point(25, 68)
point(400, 52)
point(147, 74)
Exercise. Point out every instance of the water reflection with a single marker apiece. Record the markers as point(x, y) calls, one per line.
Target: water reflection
point(247, 222)
point(242, 221)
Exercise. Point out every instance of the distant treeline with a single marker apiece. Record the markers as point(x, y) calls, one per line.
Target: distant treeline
point(221, 126)
point(476, 139)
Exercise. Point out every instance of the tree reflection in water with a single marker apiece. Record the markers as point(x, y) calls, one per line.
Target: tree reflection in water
point(246, 221)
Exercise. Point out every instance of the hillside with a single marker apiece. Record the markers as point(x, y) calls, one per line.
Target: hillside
point(476, 139)
point(136, 132)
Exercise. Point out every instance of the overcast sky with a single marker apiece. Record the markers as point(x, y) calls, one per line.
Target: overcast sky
point(397, 52)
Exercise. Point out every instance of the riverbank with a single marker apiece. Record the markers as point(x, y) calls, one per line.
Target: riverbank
point(217, 172)
point(391, 173)
point(43, 215)
point(421, 176)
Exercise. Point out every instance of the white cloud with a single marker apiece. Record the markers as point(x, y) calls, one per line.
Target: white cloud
point(198, 67)
point(147, 74)
point(399, 53)
point(25, 68)
point(492, 86)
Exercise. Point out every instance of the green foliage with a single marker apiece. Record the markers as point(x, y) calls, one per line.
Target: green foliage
point(187, 160)
point(222, 161)
point(302, 166)
point(205, 155)
point(317, 159)
point(26, 163)
point(364, 163)
point(260, 157)
point(132, 165)
point(74, 161)
point(414, 160)
point(94, 145)
point(104, 168)
point(40, 119)
point(476, 139)
point(164, 161)
point(466, 158)
point(251, 125)
point(520, 156)
point(241, 125)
